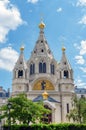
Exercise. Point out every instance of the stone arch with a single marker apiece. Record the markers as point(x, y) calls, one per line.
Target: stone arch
point(51, 106)
point(20, 73)
point(66, 74)
point(37, 85)
point(42, 66)
point(52, 68)
point(32, 68)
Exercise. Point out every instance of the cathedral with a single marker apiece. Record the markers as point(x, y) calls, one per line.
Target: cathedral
point(43, 79)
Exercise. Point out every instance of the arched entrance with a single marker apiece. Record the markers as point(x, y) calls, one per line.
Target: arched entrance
point(47, 118)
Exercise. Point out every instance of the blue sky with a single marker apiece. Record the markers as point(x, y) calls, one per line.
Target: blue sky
point(65, 25)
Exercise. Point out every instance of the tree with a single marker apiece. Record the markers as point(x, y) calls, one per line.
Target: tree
point(24, 110)
point(78, 113)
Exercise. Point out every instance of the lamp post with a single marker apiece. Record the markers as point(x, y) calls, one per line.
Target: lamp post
point(9, 119)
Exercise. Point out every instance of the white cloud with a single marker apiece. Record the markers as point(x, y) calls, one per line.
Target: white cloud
point(79, 59)
point(8, 57)
point(79, 83)
point(81, 3)
point(33, 1)
point(10, 18)
point(83, 47)
point(76, 46)
point(83, 20)
point(59, 9)
point(83, 69)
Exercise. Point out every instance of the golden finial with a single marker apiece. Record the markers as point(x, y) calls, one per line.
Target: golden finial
point(45, 95)
point(22, 48)
point(63, 48)
point(62, 41)
point(42, 25)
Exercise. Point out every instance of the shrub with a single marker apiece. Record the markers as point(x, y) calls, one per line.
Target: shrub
point(62, 126)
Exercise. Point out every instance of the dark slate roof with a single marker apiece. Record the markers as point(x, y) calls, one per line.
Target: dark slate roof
point(80, 90)
point(40, 98)
point(4, 94)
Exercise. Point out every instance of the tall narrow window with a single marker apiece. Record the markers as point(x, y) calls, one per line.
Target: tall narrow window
point(67, 107)
point(66, 74)
point(32, 68)
point(20, 73)
point(52, 68)
point(42, 67)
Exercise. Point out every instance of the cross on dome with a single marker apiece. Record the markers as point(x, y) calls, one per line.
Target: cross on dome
point(42, 25)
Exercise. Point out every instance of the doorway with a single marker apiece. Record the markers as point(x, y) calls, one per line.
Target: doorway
point(47, 118)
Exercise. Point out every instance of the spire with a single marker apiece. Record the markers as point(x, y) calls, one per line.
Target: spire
point(64, 61)
point(41, 48)
point(21, 60)
point(63, 49)
point(41, 25)
point(22, 48)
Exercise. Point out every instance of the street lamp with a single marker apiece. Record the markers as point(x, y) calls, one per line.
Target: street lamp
point(9, 119)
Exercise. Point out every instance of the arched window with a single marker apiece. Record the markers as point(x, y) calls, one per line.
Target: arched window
point(32, 68)
point(52, 68)
point(20, 73)
point(42, 67)
point(66, 74)
point(67, 107)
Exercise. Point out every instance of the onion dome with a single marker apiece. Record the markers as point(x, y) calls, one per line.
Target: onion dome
point(45, 95)
point(22, 48)
point(41, 25)
point(63, 49)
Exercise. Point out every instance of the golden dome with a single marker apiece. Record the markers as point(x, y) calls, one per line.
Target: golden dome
point(22, 48)
point(45, 95)
point(41, 25)
point(63, 48)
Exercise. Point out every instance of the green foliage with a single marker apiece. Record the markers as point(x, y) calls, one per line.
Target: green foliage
point(78, 113)
point(48, 127)
point(24, 110)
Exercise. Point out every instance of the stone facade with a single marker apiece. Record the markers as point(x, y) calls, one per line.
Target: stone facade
point(42, 73)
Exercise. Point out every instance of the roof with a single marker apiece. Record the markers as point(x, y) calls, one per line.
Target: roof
point(80, 90)
point(40, 98)
point(4, 93)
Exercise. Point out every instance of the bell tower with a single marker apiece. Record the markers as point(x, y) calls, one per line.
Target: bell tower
point(65, 73)
point(66, 85)
point(20, 83)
